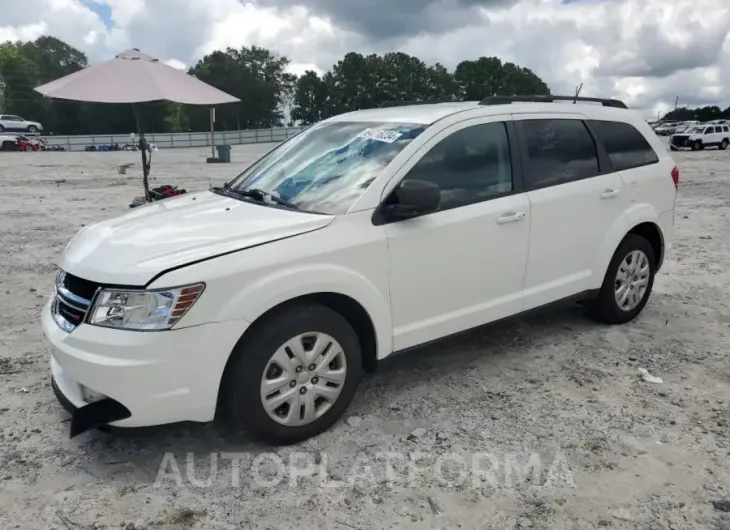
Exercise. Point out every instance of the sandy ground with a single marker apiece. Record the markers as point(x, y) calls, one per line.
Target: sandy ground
point(540, 423)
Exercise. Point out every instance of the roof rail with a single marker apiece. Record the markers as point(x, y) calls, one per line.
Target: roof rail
point(407, 103)
point(503, 100)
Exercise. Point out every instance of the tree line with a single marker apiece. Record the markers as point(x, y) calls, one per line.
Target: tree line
point(701, 114)
point(270, 95)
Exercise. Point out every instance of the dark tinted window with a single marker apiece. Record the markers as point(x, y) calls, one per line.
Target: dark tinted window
point(718, 129)
point(627, 148)
point(468, 166)
point(558, 151)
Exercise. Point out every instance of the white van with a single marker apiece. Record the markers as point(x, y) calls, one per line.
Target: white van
point(367, 234)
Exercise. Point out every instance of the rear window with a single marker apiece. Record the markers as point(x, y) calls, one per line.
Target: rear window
point(626, 146)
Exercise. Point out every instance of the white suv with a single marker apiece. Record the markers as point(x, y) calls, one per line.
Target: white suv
point(9, 122)
point(701, 136)
point(367, 234)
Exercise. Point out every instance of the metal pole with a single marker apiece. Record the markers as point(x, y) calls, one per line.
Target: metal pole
point(212, 132)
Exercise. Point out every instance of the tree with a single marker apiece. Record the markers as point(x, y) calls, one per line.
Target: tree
point(487, 76)
point(256, 76)
point(310, 99)
point(362, 82)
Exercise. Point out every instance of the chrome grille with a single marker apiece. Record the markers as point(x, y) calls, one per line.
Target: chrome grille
point(72, 300)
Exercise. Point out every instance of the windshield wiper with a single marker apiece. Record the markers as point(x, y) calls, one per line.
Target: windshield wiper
point(259, 195)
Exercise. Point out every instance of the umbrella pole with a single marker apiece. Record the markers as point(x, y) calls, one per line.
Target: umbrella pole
point(212, 132)
point(143, 148)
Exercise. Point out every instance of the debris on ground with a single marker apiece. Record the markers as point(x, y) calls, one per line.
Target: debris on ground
point(647, 377)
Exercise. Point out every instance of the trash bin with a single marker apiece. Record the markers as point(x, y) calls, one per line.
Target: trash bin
point(224, 152)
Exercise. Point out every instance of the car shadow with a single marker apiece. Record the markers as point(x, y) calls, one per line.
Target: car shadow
point(415, 370)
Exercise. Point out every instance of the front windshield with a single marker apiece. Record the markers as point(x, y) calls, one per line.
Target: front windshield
point(695, 130)
point(327, 167)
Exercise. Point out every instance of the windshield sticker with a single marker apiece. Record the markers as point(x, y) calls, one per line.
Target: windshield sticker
point(381, 135)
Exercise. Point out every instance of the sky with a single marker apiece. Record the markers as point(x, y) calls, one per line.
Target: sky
point(645, 52)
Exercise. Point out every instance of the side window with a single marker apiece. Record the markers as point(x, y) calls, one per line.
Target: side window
point(709, 130)
point(469, 166)
point(558, 151)
point(718, 129)
point(626, 146)
point(725, 128)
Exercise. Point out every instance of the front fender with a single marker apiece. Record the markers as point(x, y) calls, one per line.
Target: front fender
point(635, 215)
point(282, 286)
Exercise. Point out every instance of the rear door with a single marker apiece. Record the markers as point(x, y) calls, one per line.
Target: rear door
point(575, 197)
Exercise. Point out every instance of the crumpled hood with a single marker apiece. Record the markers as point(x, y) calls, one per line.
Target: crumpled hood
point(133, 248)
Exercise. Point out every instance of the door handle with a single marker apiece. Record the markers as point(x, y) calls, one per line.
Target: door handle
point(511, 218)
point(609, 194)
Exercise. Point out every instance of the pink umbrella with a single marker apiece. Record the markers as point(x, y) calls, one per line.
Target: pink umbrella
point(135, 77)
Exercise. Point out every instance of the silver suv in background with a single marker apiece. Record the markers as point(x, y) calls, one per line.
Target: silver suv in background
point(9, 122)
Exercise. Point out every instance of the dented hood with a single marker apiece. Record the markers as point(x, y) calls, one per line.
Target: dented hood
point(133, 248)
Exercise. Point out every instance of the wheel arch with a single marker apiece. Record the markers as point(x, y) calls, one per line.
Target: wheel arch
point(344, 305)
point(640, 219)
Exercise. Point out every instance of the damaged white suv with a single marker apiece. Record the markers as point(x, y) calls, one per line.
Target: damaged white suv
point(367, 234)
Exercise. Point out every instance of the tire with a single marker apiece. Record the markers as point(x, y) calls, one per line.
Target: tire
point(723, 145)
point(696, 145)
point(252, 362)
point(672, 148)
point(32, 128)
point(605, 307)
point(28, 148)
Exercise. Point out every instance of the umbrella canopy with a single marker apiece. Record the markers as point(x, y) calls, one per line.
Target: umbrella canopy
point(134, 77)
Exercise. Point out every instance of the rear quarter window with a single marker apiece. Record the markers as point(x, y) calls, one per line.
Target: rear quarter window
point(626, 146)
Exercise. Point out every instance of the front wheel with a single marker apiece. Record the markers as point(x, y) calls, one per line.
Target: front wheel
point(696, 146)
point(672, 148)
point(32, 129)
point(294, 375)
point(28, 148)
point(628, 282)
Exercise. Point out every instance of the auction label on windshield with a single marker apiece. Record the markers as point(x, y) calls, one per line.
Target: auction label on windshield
point(381, 135)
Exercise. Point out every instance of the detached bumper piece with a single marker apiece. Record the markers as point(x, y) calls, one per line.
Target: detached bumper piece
point(94, 415)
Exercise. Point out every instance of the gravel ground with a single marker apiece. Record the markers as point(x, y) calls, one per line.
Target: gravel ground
point(541, 423)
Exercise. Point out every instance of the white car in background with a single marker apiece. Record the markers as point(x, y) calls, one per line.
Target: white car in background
point(697, 138)
point(9, 122)
point(369, 233)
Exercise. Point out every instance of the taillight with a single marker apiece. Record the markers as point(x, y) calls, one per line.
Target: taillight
point(675, 176)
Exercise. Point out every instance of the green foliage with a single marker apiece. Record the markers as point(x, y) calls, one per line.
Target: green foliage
point(698, 114)
point(270, 96)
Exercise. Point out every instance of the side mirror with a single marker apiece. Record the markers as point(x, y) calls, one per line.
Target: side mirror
point(413, 198)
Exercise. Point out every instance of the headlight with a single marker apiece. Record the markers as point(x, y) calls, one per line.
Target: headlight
point(143, 310)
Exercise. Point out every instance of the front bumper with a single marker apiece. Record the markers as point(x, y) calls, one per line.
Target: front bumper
point(143, 378)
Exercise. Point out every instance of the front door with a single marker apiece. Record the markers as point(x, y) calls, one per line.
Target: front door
point(463, 265)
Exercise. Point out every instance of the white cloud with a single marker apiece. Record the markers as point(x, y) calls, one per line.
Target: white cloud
point(646, 52)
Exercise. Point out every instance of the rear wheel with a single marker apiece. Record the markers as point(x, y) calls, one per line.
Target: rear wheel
point(723, 145)
point(294, 376)
point(32, 128)
point(628, 282)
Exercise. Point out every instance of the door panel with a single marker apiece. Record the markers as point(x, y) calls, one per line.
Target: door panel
point(457, 269)
point(569, 223)
point(573, 200)
point(463, 265)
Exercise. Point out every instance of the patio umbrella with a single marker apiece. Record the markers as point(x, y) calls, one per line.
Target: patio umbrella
point(135, 77)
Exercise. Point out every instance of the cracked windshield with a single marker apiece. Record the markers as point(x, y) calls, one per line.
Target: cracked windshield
point(326, 168)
